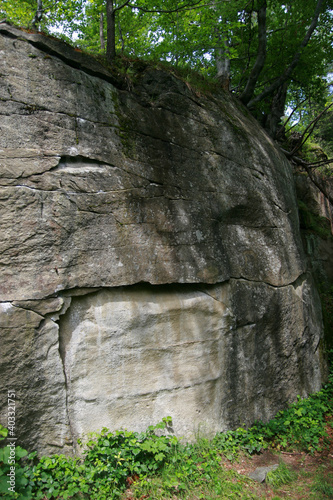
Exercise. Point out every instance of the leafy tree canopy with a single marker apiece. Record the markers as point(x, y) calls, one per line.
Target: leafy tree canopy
point(270, 53)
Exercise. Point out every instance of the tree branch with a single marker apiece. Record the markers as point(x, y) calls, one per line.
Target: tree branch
point(308, 166)
point(320, 163)
point(279, 81)
point(309, 129)
point(121, 6)
point(188, 6)
point(279, 132)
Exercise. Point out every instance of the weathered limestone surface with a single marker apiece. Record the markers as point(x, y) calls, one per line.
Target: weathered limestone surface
point(151, 262)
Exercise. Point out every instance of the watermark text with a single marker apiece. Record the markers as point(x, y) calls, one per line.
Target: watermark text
point(11, 438)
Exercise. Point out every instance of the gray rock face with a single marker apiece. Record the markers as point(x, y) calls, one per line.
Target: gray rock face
point(318, 247)
point(104, 188)
point(260, 473)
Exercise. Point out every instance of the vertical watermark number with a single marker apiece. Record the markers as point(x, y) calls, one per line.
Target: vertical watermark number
point(11, 437)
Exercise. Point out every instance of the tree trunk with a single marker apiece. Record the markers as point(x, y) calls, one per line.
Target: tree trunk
point(223, 65)
point(39, 15)
point(247, 93)
point(287, 73)
point(121, 38)
point(272, 121)
point(111, 31)
point(222, 55)
point(101, 31)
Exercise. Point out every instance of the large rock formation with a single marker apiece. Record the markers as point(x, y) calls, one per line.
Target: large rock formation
point(151, 262)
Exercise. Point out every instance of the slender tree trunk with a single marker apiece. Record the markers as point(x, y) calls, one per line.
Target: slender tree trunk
point(39, 14)
point(121, 38)
point(261, 55)
point(111, 34)
point(222, 55)
point(176, 38)
point(223, 63)
point(101, 31)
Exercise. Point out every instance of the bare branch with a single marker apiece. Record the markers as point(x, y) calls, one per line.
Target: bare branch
point(311, 166)
point(121, 6)
point(320, 163)
point(309, 129)
point(279, 132)
point(188, 6)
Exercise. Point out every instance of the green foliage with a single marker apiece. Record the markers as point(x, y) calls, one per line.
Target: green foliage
point(250, 440)
point(324, 133)
point(64, 14)
point(57, 476)
point(113, 457)
point(110, 459)
point(18, 12)
point(10, 461)
point(193, 470)
point(199, 35)
point(301, 426)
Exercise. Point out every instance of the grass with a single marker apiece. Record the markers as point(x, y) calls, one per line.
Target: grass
point(323, 485)
point(282, 475)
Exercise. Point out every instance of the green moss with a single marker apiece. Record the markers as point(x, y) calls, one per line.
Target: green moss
point(313, 222)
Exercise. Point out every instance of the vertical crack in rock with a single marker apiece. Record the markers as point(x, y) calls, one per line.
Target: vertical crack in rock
point(62, 355)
